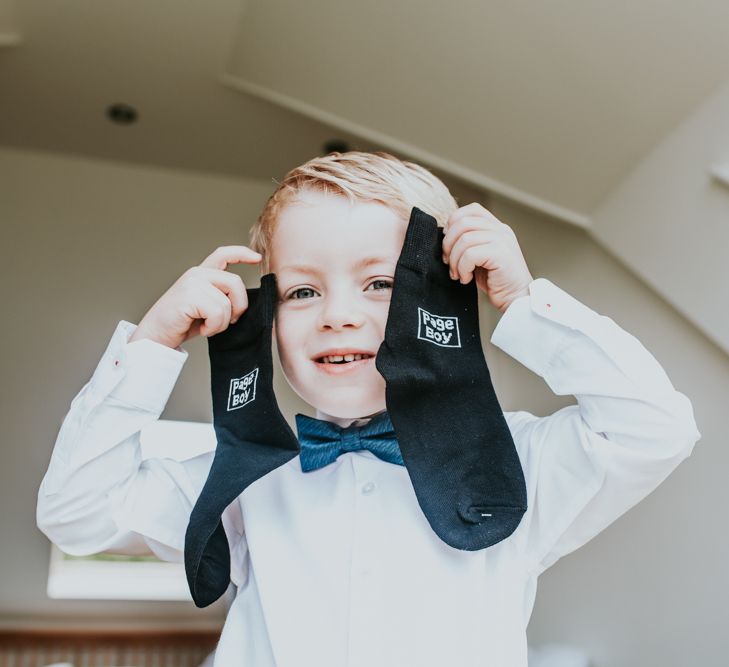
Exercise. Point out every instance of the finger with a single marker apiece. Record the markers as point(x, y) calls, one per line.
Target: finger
point(472, 257)
point(464, 224)
point(466, 237)
point(475, 209)
point(215, 309)
point(231, 254)
point(232, 286)
point(467, 240)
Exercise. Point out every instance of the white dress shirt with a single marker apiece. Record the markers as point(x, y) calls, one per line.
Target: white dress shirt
point(338, 567)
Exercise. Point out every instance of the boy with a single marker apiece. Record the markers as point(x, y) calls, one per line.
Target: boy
point(338, 566)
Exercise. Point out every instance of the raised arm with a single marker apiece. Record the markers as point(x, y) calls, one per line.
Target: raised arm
point(588, 463)
point(100, 493)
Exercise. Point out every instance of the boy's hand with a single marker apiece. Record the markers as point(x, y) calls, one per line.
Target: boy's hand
point(204, 300)
point(477, 243)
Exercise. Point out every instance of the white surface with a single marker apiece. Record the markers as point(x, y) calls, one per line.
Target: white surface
point(557, 655)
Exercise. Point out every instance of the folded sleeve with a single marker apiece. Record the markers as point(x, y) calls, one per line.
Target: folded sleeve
point(119, 480)
point(587, 464)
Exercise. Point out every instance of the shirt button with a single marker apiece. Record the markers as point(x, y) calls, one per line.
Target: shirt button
point(368, 488)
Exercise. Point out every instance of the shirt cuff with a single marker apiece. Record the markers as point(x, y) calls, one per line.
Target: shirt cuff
point(141, 374)
point(533, 327)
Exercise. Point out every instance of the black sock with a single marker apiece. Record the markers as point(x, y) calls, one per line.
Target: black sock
point(253, 438)
point(453, 435)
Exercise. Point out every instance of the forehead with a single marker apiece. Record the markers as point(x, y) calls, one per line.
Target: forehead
point(328, 230)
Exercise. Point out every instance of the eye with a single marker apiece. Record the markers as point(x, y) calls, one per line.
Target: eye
point(300, 289)
point(388, 283)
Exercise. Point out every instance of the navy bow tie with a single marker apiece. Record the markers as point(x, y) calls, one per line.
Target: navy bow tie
point(322, 441)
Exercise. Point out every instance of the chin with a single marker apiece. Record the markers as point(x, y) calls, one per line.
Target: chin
point(350, 410)
point(353, 400)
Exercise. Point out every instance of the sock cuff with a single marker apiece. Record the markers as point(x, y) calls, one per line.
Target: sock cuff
point(257, 318)
point(268, 297)
point(420, 244)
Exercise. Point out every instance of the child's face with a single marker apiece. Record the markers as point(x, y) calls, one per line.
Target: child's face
point(333, 302)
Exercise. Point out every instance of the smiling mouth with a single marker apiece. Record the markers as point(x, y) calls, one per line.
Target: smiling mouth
point(339, 359)
point(343, 367)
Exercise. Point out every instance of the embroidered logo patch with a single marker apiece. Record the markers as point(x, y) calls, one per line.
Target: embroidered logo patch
point(242, 390)
point(439, 329)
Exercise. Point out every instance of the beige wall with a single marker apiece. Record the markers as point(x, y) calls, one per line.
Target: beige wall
point(650, 590)
point(85, 244)
point(88, 243)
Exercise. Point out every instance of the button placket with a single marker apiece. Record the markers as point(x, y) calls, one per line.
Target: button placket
point(365, 594)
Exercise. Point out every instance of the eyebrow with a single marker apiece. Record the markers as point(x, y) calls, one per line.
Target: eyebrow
point(363, 263)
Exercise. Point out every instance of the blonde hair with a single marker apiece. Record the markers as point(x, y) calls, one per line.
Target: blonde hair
point(358, 176)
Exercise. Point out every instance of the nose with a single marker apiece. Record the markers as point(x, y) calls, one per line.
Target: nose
point(340, 309)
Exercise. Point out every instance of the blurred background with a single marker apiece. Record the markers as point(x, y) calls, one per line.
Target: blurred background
point(136, 137)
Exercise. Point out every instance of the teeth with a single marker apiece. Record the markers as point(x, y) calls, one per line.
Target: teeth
point(338, 358)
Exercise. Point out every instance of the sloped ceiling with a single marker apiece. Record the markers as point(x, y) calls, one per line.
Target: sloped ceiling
point(669, 218)
point(556, 100)
point(560, 106)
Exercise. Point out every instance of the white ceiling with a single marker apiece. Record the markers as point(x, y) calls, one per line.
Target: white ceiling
point(164, 58)
point(551, 104)
point(556, 100)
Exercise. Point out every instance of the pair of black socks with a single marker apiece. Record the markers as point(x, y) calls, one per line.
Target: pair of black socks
point(452, 433)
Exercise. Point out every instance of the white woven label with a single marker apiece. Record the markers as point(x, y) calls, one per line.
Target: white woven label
point(242, 390)
point(438, 329)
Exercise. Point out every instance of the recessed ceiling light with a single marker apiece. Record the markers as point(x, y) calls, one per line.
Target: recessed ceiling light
point(122, 114)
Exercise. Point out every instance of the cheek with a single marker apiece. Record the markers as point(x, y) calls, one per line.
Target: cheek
point(284, 332)
point(279, 338)
point(382, 318)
